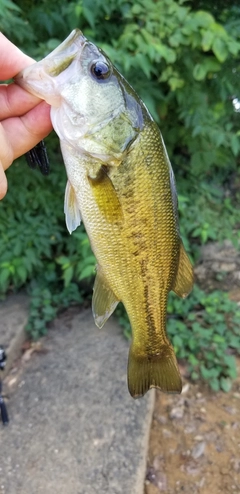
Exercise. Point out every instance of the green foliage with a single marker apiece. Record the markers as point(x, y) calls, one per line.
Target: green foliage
point(12, 24)
point(36, 250)
point(207, 214)
point(46, 301)
point(33, 233)
point(188, 58)
point(184, 62)
point(205, 332)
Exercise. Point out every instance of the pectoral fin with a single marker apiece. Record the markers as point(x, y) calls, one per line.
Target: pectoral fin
point(104, 301)
point(71, 209)
point(185, 278)
point(106, 196)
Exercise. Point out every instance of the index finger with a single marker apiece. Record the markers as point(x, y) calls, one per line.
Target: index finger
point(12, 60)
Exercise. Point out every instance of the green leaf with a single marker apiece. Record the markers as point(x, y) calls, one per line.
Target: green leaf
point(63, 260)
point(199, 72)
point(194, 376)
point(165, 52)
point(235, 340)
point(137, 9)
point(86, 272)
point(233, 46)
point(206, 67)
point(22, 273)
point(175, 83)
point(207, 39)
point(193, 360)
point(142, 61)
point(225, 384)
point(89, 15)
point(4, 276)
point(219, 48)
point(177, 341)
point(204, 18)
point(215, 384)
point(68, 275)
point(10, 5)
point(230, 361)
point(235, 144)
point(218, 339)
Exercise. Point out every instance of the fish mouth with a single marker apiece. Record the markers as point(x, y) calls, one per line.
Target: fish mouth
point(40, 78)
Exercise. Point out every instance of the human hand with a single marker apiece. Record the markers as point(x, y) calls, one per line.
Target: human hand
point(24, 118)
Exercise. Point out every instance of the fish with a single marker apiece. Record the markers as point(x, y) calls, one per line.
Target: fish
point(121, 185)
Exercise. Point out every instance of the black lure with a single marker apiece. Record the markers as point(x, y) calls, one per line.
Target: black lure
point(38, 157)
point(3, 408)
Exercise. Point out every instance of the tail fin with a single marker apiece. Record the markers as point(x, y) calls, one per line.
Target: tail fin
point(153, 371)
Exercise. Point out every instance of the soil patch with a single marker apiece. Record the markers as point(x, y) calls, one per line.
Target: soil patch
point(195, 442)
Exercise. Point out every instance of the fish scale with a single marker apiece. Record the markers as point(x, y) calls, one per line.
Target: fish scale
point(120, 182)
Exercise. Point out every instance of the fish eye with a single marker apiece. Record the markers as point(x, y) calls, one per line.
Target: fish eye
point(100, 70)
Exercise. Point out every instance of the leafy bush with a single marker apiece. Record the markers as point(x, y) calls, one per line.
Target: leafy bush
point(207, 213)
point(205, 331)
point(187, 57)
point(36, 250)
point(46, 302)
point(33, 232)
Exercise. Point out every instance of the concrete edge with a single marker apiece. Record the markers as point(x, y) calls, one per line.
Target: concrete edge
point(141, 474)
point(14, 349)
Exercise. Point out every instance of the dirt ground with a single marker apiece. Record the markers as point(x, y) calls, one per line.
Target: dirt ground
point(195, 442)
point(195, 437)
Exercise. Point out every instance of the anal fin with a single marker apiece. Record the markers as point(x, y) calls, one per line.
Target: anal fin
point(185, 277)
point(104, 301)
point(153, 371)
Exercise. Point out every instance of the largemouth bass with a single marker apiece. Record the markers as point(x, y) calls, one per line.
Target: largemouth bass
point(121, 184)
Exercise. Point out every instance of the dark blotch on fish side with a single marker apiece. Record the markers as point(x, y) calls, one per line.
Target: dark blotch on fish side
point(38, 157)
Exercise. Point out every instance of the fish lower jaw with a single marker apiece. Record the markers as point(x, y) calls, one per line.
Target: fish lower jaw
point(34, 80)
